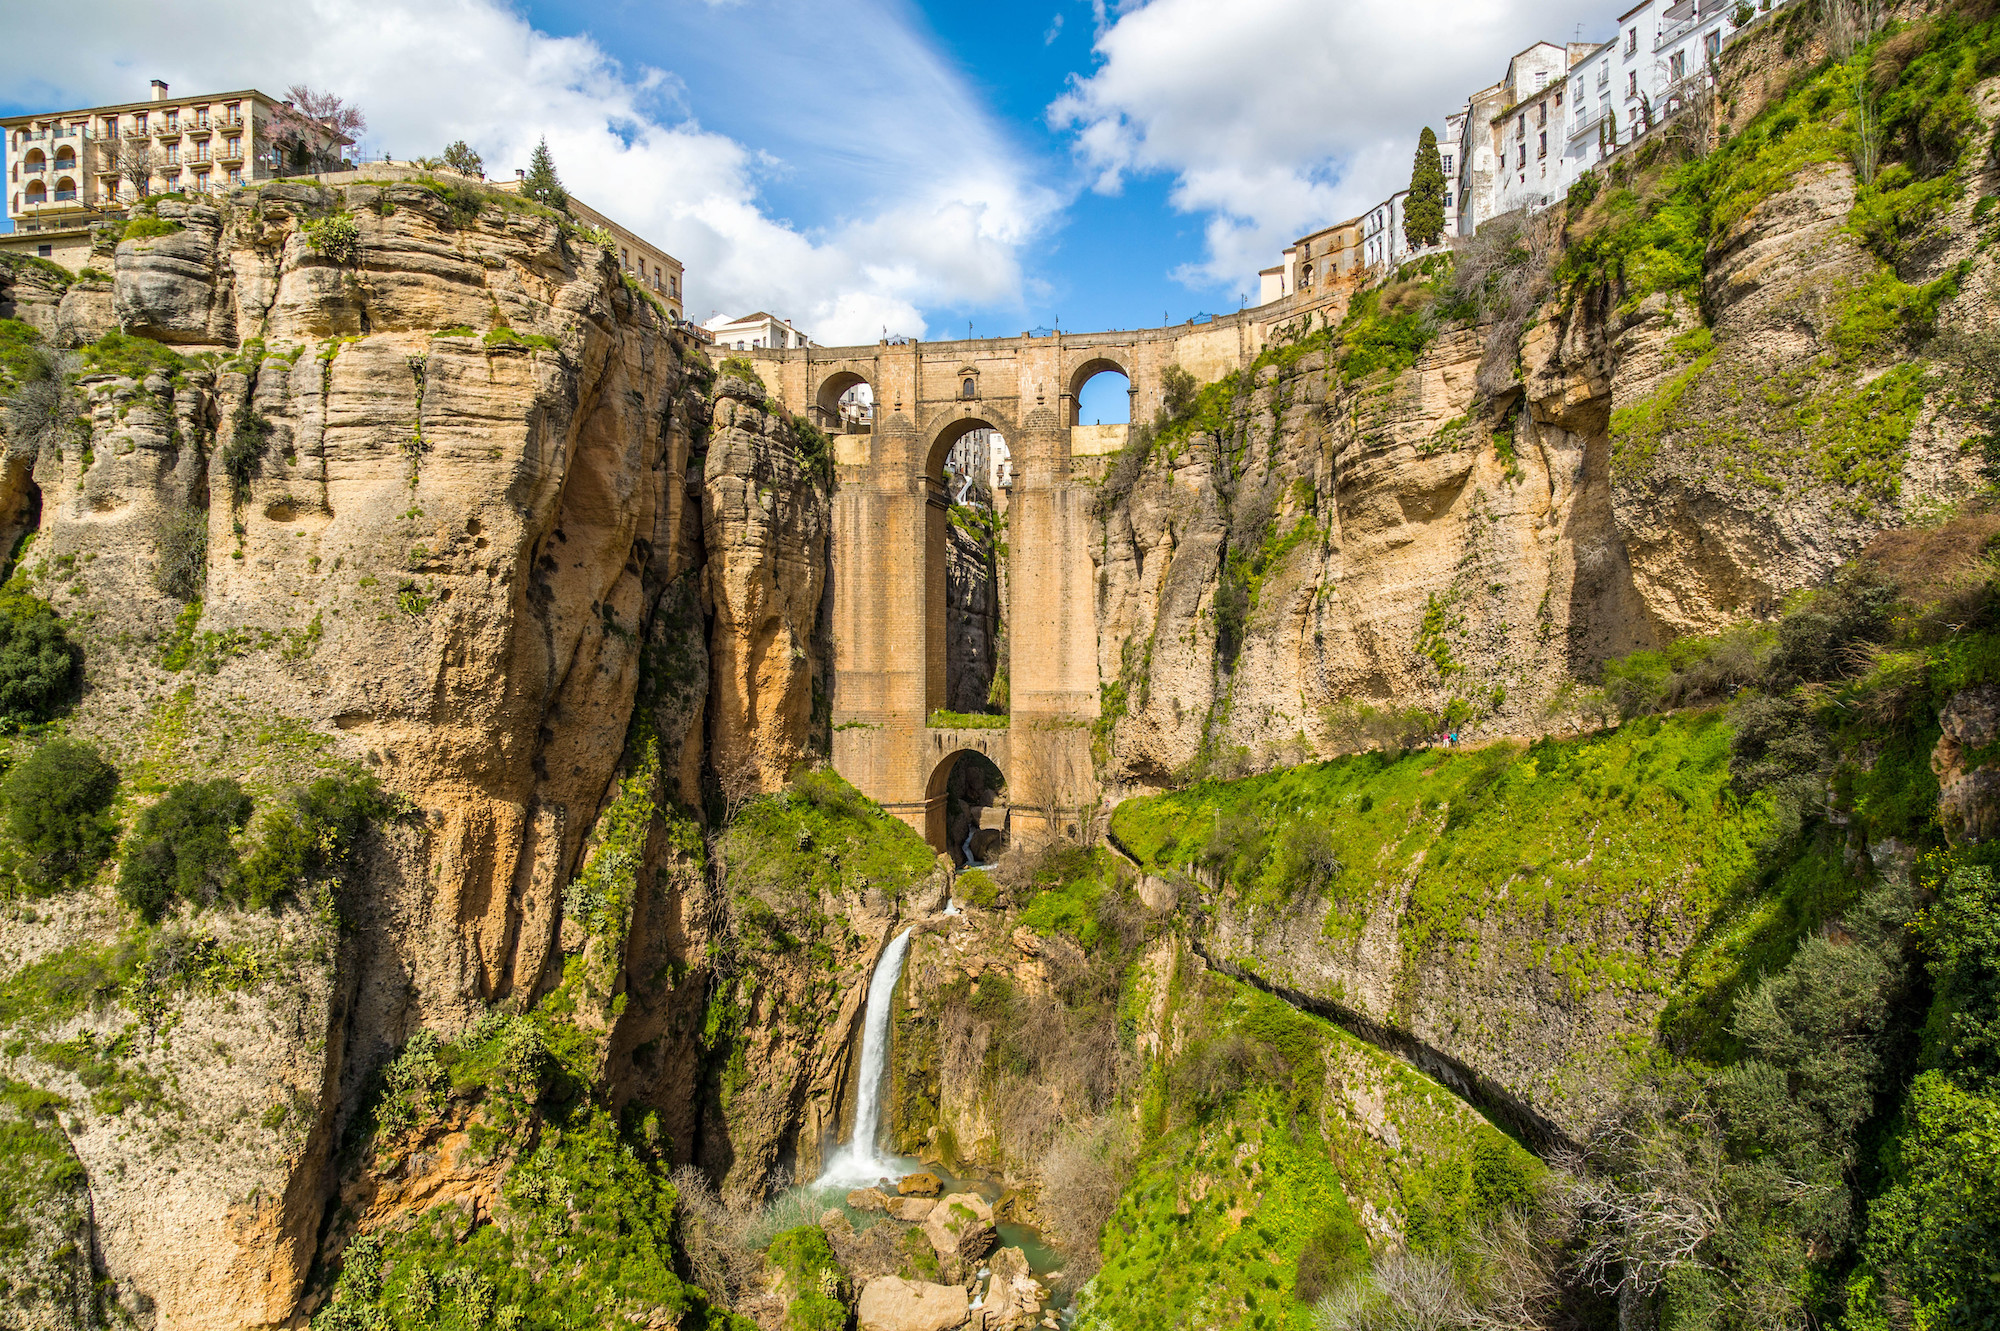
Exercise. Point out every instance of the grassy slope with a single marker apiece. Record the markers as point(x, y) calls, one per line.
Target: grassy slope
point(1561, 840)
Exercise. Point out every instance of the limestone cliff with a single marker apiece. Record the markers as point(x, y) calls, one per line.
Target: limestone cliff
point(457, 516)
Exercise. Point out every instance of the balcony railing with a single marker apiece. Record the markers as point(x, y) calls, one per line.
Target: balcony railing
point(34, 168)
point(65, 195)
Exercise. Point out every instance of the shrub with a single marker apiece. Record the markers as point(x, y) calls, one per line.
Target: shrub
point(308, 842)
point(38, 662)
point(337, 236)
point(56, 814)
point(146, 227)
point(182, 571)
point(181, 848)
point(44, 411)
point(815, 1279)
point(978, 888)
point(243, 456)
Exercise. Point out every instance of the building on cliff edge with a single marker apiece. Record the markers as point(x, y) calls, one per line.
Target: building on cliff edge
point(756, 330)
point(69, 169)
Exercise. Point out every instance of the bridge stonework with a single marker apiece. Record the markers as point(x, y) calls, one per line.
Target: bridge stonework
point(889, 521)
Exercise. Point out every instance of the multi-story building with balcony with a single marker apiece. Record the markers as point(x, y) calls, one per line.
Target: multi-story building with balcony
point(68, 169)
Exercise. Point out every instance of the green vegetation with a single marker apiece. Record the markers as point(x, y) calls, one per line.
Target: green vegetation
point(940, 719)
point(504, 336)
point(821, 837)
point(336, 236)
point(541, 183)
point(145, 226)
point(308, 843)
point(59, 830)
point(131, 357)
point(181, 849)
point(812, 1278)
point(1423, 210)
point(39, 665)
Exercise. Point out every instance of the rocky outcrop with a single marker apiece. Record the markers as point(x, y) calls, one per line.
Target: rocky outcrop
point(456, 536)
point(1968, 777)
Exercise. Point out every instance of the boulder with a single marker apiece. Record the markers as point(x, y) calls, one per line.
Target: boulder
point(1013, 1296)
point(915, 1210)
point(889, 1303)
point(867, 1199)
point(960, 1227)
point(925, 1184)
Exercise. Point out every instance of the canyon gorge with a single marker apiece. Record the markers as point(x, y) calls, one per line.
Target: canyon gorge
point(498, 788)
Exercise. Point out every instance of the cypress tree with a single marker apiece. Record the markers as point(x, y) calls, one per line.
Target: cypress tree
point(1423, 211)
point(541, 184)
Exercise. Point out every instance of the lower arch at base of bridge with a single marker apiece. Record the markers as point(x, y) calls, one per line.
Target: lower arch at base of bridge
point(1050, 783)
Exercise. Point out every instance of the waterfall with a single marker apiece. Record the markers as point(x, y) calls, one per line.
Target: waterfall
point(861, 1161)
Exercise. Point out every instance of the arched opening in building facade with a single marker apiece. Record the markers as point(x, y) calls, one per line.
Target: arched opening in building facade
point(845, 404)
point(1101, 393)
point(967, 815)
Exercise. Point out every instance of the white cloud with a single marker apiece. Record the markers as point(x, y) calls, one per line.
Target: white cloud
point(1277, 116)
point(430, 71)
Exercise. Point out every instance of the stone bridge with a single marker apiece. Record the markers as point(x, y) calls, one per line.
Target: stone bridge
point(889, 522)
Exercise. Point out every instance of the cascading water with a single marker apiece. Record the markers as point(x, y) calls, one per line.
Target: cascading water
point(861, 1161)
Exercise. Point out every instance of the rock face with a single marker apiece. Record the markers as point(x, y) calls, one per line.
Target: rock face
point(960, 1228)
point(1968, 779)
point(889, 1303)
point(465, 517)
point(1013, 1296)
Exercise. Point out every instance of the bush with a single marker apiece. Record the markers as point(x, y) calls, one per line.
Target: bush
point(337, 236)
point(309, 842)
point(814, 1278)
point(146, 227)
point(38, 662)
point(44, 412)
point(56, 802)
point(182, 570)
point(181, 848)
point(243, 456)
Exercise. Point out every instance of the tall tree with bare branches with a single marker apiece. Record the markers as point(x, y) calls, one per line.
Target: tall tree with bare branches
point(308, 129)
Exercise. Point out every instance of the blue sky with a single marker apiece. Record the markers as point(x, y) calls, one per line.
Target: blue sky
point(861, 165)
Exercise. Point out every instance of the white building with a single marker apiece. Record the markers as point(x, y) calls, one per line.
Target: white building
point(756, 330)
point(1383, 244)
point(1492, 165)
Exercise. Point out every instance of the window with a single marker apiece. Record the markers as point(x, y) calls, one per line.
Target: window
point(673, 286)
point(1632, 84)
point(1447, 164)
point(1541, 114)
point(139, 124)
point(173, 122)
point(1711, 45)
point(173, 154)
point(624, 257)
point(45, 251)
point(1543, 149)
point(1524, 156)
point(1523, 130)
point(1447, 198)
point(1677, 66)
point(1631, 40)
point(111, 127)
point(1541, 79)
point(235, 175)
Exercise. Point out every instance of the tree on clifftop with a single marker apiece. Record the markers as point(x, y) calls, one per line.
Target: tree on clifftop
point(541, 184)
point(1423, 211)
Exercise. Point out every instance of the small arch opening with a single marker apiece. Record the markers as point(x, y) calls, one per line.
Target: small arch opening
point(970, 815)
point(845, 404)
point(1102, 392)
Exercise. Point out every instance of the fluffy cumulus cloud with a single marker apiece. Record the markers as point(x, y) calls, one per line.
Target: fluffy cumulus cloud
point(1277, 116)
point(430, 71)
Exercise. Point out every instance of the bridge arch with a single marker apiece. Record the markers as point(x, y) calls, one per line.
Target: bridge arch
point(1090, 369)
point(832, 388)
point(987, 750)
point(954, 428)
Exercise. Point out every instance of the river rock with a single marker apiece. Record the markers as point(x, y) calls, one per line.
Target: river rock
point(867, 1199)
point(890, 1303)
point(960, 1227)
point(915, 1210)
point(1013, 1296)
point(924, 1184)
